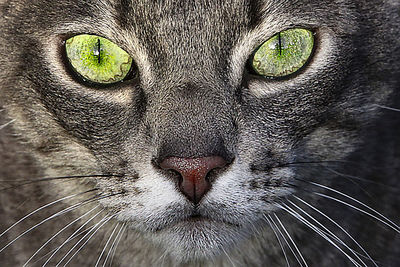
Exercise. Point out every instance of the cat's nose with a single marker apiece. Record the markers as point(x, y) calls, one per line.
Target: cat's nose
point(194, 184)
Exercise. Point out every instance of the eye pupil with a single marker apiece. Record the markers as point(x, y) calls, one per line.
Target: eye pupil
point(280, 43)
point(98, 51)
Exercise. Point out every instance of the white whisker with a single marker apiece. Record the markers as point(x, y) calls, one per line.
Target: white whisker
point(356, 178)
point(388, 222)
point(279, 240)
point(358, 209)
point(328, 232)
point(161, 258)
point(317, 230)
point(80, 240)
point(90, 237)
point(73, 207)
point(284, 239)
point(51, 251)
point(116, 245)
point(339, 226)
point(72, 236)
point(39, 209)
point(388, 108)
point(56, 234)
point(229, 258)
point(294, 244)
point(113, 244)
point(255, 230)
point(105, 246)
point(6, 124)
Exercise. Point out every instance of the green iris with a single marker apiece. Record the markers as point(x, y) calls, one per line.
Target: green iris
point(97, 59)
point(284, 53)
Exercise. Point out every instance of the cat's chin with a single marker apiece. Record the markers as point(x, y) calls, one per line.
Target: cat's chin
point(198, 238)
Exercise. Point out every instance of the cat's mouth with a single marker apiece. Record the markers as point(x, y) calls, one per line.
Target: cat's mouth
point(197, 220)
point(201, 219)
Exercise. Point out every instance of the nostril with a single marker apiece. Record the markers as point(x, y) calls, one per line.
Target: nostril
point(194, 171)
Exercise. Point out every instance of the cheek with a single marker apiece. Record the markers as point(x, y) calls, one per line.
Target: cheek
point(328, 143)
point(159, 191)
point(146, 195)
point(242, 192)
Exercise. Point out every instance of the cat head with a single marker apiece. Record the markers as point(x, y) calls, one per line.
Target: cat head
point(192, 106)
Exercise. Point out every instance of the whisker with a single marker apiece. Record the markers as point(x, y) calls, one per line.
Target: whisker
point(388, 108)
point(328, 232)
point(113, 244)
point(279, 240)
point(116, 245)
point(316, 230)
point(358, 209)
point(75, 206)
point(319, 162)
point(255, 231)
point(357, 178)
point(284, 238)
point(55, 235)
point(388, 222)
point(46, 179)
point(160, 259)
point(351, 180)
point(61, 178)
point(72, 237)
point(80, 240)
point(6, 124)
point(325, 163)
point(294, 244)
point(90, 237)
point(105, 246)
point(43, 207)
point(229, 258)
point(72, 207)
point(340, 227)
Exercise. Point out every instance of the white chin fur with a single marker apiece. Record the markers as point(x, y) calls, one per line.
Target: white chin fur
point(188, 241)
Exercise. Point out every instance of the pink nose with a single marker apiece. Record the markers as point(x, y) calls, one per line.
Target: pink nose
point(194, 171)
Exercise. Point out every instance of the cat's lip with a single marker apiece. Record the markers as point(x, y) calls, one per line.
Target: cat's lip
point(199, 220)
point(196, 221)
point(196, 218)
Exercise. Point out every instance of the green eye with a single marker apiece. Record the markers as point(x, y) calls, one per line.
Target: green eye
point(97, 59)
point(284, 53)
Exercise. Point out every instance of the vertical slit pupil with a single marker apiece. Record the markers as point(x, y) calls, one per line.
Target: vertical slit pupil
point(98, 50)
point(280, 44)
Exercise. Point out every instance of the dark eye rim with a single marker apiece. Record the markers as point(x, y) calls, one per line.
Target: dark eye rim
point(252, 73)
point(76, 76)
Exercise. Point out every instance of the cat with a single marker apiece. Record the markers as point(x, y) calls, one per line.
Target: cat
point(196, 154)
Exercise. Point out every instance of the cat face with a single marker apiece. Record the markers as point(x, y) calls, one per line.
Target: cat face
point(192, 94)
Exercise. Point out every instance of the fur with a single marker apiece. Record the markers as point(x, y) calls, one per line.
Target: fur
point(331, 123)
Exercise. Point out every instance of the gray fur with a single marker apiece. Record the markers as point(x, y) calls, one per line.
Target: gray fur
point(194, 97)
